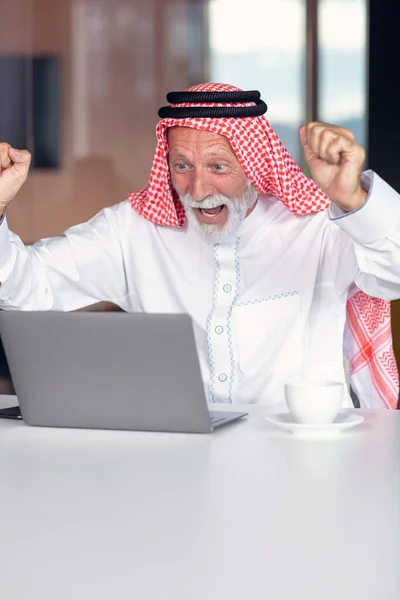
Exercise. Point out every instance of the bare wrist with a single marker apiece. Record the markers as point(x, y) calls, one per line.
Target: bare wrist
point(353, 203)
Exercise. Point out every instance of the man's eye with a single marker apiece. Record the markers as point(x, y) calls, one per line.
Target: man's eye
point(218, 167)
point(181, 166)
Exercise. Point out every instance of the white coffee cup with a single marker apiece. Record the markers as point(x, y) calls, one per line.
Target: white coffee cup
point(314, 402)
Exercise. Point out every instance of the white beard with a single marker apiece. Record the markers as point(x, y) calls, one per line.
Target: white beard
point(237, 211)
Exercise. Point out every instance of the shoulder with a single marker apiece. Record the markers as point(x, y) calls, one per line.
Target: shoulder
point(117, 221)
point(127, 224)
point(316, 229)
point(122, 217)
point(271, 208)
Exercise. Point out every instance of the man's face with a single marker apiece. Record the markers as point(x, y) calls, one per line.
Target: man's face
point(209, 181)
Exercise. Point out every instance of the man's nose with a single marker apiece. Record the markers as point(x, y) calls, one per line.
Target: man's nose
point(200, 188)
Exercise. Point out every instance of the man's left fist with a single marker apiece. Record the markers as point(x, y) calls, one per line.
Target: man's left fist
point(335, 161)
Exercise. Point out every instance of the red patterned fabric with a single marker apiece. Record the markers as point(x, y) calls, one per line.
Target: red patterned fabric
point(369, 325)
point(271, 169)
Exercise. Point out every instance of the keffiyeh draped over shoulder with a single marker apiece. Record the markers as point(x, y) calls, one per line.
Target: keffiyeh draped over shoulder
point(368, 339)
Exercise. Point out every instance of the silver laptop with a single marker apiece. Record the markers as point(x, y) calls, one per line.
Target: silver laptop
point(105, 370)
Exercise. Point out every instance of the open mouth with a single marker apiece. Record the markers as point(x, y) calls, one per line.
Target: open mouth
point(210, 214)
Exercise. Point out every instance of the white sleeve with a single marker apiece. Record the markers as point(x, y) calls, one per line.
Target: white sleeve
point(83, 266)
point(369, 251)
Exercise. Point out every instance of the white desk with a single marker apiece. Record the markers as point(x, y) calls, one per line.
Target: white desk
point(245, 513)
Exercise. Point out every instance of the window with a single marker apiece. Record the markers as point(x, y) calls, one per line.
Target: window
point(342, 64)
point(260, 44)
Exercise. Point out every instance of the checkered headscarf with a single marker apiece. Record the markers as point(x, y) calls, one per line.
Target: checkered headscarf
point(271, 169)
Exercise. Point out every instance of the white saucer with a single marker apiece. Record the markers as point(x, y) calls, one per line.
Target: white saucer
point(344, 420)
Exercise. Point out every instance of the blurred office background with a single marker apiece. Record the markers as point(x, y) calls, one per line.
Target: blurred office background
point(81, 82)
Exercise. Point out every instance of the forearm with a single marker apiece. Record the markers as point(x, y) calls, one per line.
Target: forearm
point(78, 269)
point(375, 232)
point(22, 278)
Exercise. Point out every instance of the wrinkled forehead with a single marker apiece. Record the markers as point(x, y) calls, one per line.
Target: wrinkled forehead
point(192, 139)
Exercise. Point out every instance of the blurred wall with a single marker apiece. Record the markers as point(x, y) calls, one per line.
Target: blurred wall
point(119, 58)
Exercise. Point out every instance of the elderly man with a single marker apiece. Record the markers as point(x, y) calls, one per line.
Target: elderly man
point(272, 267)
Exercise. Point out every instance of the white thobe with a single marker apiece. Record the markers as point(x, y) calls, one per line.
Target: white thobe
point(266, 305)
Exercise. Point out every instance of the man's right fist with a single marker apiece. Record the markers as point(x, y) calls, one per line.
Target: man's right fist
point(14, 167)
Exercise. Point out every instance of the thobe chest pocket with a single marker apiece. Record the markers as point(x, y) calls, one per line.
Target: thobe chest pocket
point(267, 335)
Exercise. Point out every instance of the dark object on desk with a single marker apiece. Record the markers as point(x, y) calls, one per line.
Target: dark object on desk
point(30, 106)
point(6, 385)
point(13, 412)
point(4, 370)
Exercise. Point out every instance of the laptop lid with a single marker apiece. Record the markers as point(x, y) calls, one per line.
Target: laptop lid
point(117, 370)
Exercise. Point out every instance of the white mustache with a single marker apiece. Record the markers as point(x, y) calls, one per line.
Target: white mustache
point(212, 202)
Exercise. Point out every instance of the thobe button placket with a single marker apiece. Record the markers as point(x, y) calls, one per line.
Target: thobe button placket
point(218, 329)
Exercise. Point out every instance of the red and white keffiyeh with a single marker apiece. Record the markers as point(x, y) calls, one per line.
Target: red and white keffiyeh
point(271, 169)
